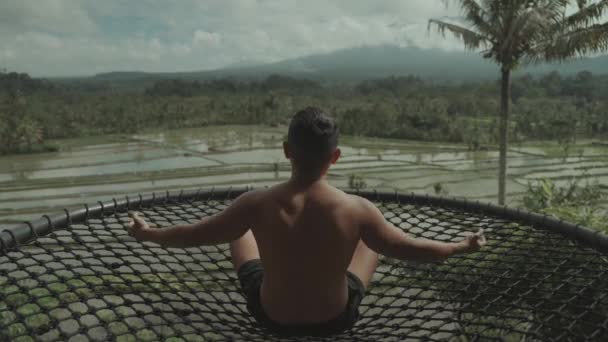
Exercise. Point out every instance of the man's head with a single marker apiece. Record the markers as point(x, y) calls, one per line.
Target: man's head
point(312, 141)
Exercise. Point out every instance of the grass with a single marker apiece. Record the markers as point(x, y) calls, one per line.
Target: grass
point(34, 149)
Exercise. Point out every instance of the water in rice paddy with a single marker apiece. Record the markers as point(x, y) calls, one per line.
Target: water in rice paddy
point(105, 167)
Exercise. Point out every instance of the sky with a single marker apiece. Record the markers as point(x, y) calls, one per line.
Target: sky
point(84, 37)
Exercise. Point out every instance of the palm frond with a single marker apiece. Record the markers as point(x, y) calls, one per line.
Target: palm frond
point(477, 16)
point(587, 14)
point(575, 43)
point(582, 3)
point(530, 31)
point(529, 24)
point(535, 22)
point(471, 39)
point(494, 9)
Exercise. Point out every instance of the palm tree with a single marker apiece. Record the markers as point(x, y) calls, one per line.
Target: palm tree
point(515, 32)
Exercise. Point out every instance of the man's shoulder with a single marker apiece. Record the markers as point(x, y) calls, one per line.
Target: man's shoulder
point(360, 202)
point(352, 203)
point(253, 195)
point(259, 196)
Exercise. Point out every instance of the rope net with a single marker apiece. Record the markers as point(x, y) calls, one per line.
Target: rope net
point(86, 280)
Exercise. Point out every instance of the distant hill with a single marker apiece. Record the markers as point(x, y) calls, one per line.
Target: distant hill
point(370, 62)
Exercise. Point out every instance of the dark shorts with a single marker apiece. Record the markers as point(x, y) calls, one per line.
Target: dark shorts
point(250, 275)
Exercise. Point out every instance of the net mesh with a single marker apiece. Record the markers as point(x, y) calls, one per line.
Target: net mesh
point(90, 281)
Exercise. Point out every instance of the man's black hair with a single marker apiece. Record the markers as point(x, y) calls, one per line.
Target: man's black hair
point(313, 137)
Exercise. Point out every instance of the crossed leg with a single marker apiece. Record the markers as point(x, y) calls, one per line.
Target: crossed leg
point(244, 249)
point(363, 263)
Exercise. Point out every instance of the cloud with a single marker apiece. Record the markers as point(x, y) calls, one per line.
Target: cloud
point(7, 54)
point(204, 38)
point(40, 39)
point(80, 37)
point(55, 16)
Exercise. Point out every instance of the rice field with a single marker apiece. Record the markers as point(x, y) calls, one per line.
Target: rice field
point(105, 167)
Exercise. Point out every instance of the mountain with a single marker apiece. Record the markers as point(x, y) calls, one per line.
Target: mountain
point(370, 62)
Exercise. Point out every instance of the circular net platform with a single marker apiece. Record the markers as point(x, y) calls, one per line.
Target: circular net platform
point(78, 276)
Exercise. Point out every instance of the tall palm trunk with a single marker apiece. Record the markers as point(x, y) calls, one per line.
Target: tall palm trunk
point(503, 132)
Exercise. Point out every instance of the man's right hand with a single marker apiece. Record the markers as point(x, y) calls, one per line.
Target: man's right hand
point(138, 227)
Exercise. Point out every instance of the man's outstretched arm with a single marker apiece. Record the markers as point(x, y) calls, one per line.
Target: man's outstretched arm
point(386, 239)
point(223, 227)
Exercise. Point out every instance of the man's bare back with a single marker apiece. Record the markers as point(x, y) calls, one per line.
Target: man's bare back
point(318, 245)
point(306, 239)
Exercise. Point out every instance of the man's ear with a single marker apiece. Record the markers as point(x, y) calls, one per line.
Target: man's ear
point(286, 150)
point(335, 156)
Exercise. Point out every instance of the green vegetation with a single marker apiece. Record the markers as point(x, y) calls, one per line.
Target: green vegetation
point(20, 132)
point(544, 107)
point(357, 182)
point(441, 189)
point(549, 107)
point(517, 32)
point(577, 203)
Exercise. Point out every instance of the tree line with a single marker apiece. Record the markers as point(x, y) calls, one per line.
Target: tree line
point(546, 107)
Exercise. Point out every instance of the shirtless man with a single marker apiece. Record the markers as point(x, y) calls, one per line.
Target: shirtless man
point(305, 251)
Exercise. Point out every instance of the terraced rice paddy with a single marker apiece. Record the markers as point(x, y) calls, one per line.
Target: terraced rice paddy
point(101, 168)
